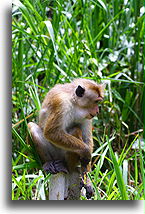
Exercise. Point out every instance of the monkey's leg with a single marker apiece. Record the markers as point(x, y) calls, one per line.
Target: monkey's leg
point(51, 156)
point(73, 159)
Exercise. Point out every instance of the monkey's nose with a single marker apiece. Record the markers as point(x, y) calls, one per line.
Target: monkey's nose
point(97, 112)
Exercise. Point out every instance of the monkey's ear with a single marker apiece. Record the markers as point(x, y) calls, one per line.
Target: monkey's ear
point(80, 91)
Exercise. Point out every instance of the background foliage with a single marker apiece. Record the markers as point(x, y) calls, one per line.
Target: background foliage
point(57, 41)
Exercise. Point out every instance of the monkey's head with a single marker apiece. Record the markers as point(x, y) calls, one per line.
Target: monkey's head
point(87, 96)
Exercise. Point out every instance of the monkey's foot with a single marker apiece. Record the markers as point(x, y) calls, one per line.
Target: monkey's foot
point(89, 191)
point(54, 167)
point(88, 188)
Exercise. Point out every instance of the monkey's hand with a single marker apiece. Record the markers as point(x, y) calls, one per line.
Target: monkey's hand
point(85, 157)
point(85, 162)
point(87, 185)
point(89, 190)
point(55, 166)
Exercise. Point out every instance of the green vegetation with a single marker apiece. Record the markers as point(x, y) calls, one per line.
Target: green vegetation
point(57, 41)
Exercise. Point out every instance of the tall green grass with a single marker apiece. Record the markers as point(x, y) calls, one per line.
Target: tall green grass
point(57, 41)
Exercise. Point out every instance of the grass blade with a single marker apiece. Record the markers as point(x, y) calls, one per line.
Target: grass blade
point(51, 33)
point(118, 173)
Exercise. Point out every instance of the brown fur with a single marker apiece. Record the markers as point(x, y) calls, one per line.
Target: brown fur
point(61, 109)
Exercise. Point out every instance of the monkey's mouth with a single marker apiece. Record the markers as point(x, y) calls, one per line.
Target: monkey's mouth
point(91, 115)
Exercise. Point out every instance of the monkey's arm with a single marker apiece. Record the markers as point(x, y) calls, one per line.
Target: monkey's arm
point(87, 134)
point(54, 133)
point(88, 140)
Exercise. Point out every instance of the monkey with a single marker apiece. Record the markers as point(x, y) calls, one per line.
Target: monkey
point(63, 136)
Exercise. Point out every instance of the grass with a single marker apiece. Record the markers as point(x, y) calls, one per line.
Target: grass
point(57, 41)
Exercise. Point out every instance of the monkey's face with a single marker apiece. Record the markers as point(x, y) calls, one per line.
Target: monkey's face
point(88, 99)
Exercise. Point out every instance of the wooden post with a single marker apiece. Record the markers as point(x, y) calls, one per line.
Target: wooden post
point(65, 186)
point(74, 186)
point(57, 186)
